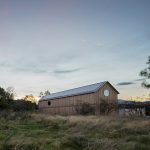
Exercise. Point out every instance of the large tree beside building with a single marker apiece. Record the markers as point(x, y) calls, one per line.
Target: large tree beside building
point(5, 97)
point(146, 74)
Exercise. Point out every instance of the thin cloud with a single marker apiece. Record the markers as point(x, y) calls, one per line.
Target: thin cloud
point(66, 71)
point(32, 68)
point(125, 83)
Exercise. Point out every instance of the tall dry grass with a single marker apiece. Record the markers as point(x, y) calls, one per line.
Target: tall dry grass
point(42, 131)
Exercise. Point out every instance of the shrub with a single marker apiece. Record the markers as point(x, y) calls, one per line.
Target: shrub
point(85, 109)
point(106, 107)
point(22, 105)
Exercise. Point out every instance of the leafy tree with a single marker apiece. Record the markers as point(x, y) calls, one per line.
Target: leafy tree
point(146, 74)
point(5, 98)
point(22, 105)
point(7, 101)
point(30, 98)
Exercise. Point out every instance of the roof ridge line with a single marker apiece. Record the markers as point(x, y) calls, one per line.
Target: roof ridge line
point(80, 87)
point(77, 89)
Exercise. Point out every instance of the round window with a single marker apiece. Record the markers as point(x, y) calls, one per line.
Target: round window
point(106, 92)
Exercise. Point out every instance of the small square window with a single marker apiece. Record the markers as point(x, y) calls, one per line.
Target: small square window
point(49, 102)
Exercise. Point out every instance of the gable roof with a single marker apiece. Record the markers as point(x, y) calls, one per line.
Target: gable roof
point(77, 91)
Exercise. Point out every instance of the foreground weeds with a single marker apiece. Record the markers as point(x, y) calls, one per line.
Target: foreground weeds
point(26, 131)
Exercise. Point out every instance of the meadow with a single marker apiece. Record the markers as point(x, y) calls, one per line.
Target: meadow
point(36, 131)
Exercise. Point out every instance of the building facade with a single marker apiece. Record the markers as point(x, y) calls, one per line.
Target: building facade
point(66, 102)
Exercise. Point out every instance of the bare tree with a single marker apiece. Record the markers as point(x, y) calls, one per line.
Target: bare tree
point(41, 94)
point(47, 92)
point(11, 92)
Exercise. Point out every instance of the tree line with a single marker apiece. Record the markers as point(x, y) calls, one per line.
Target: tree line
point(28, 102)
point(7, 101)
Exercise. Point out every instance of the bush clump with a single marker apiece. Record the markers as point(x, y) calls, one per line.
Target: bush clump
point(85, 109)
point(22, 105)
point(107, 108)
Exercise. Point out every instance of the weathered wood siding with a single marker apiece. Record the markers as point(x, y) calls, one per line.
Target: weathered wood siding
point(66, 105)
point(113, 96)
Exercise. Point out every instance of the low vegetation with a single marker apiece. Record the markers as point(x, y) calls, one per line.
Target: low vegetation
point(34, 131)
point(85, 109)
point(105, 107)
point(7, 102)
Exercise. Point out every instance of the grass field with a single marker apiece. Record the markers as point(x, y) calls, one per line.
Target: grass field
point(34, 131)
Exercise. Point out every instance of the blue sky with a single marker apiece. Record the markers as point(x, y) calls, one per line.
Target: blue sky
point(62, 44)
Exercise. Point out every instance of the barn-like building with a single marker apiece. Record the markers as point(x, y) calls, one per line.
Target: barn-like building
point(66, 102)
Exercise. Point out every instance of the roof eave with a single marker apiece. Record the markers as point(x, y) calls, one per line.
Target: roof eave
point(46, 99)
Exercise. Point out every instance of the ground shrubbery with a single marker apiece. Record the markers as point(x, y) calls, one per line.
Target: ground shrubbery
point(18, 105)
point(88, 109)
point(106, 107)
point(22, 105)
point(26, 131)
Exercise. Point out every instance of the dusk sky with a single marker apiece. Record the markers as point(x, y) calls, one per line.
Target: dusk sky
point(61, 44)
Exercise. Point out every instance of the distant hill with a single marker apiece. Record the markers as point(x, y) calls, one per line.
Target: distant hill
point(122, 101)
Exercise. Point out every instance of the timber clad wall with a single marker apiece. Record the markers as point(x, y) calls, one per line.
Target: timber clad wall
point(67, 105)
point(113, 96)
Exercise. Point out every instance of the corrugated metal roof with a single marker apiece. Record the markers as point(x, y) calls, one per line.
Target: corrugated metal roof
point(77, 91)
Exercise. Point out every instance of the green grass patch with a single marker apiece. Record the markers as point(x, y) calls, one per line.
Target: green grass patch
point(38, 131)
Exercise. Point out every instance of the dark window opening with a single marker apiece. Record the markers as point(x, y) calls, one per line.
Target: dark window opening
point(49, 103)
